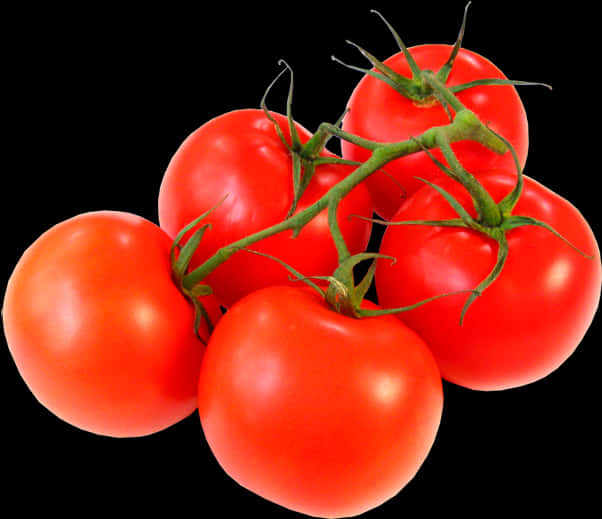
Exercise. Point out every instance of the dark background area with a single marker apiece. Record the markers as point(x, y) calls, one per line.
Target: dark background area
point(100, 98)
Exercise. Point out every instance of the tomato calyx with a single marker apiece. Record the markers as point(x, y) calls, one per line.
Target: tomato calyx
point(180, 257)
point(305, 157)
point(493, 220)
point(346, 297)
point(417, 88)
point(342, 294)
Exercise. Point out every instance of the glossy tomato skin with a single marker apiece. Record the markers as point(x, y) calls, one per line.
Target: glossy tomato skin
point(239, 154)
point(320, 413)
point(529, 321)
point(379, 113)
point(99, 332)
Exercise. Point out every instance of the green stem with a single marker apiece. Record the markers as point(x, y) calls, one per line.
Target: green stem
point(488, 212)
point(441, 91)
point(294, 223)
point(334, 131)
point(382, 153)
point(224, 253)
point(335, 230)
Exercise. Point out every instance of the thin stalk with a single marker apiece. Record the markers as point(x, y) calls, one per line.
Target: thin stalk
point(335, 230)
point(294, 223)
point(334, 131)
point(488, 212)
point(382, 154)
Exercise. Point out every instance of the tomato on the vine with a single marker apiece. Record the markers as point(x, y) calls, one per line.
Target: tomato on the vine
point(321, 413)
point(529, 320)
point(98, 330)
point(379, 113)
point(240, 156)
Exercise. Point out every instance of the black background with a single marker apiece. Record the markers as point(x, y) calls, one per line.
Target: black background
point(100, 98)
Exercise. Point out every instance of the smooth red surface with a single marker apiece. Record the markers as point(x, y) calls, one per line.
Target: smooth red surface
point(380, 113)
point(239, 154)
point(97, 329)
point(321, 413)
point(529, 321)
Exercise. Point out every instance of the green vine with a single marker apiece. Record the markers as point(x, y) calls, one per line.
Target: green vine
point(465, 125)
point(493, 219)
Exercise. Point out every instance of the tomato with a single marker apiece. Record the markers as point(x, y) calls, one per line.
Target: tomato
point(99, 332)
point(318, 412)
point(529, 320)
point(379, 113)
point(239, 154)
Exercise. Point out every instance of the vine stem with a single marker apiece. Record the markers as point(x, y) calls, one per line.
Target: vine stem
point(465, 125)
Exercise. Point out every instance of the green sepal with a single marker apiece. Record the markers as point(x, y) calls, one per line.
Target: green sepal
point(495, 81)
point(514, 221)
point(452, 222)
point(180, 266)
point(336, 160)
point(418, 87)
point(361, 289)
point(502, 255)
point(269, 115)
point(413, 88)
point(499, 235)
point(444, 71)
point(402, 84)
point(298, 275)
point(295, 140)
point(507, 204)
point(175, 245)
point(374, 74)
point(415, 69)
point(297, 191)
point(303, 157)
point(200, 313)
point(468, 220)
point(364, 312)
point(309, 168)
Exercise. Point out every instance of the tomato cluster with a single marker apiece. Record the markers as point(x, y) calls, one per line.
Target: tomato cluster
point(317, 410)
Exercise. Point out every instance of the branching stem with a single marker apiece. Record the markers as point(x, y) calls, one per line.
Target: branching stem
point(464, 126)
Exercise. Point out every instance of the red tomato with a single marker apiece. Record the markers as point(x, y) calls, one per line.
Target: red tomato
point(318, 412)
point(97, 329)
point(239, 154)
point(379, 113)
point(529, 320)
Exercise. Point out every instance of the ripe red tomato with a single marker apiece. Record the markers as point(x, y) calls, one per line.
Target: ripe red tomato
point(239, 154)
point(321, 413)
point(98, 330)
point(529, 320)
point(379, 113)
